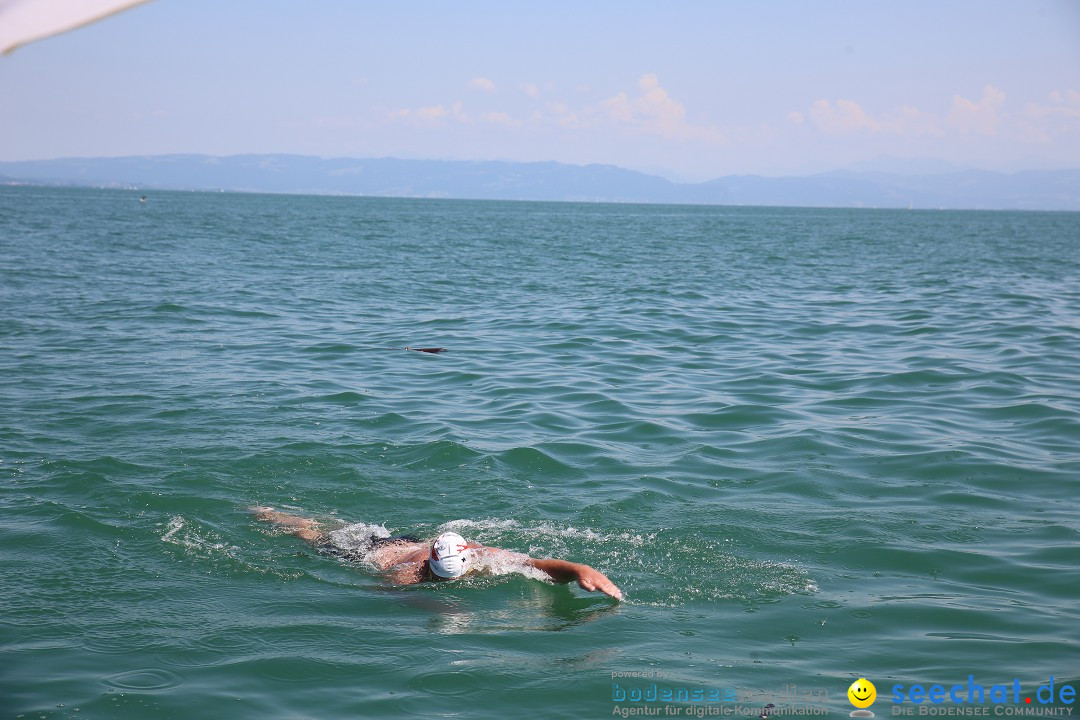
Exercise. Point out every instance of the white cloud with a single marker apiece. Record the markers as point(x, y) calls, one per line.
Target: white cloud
point(482, 84)
point(501, 118)
point(432, 115)
point(1062, 105)
point(982, 116)
point(1043, 123)
point(1066, 105)
point(564, 116)
point(618, 108)
point(531, 89)
point(842, 117)
point(653, 111)
point(434, 112)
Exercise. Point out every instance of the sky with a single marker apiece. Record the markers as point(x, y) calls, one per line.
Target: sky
point(688, 90)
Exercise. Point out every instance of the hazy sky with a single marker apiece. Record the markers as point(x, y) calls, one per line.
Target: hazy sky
point(691, 90)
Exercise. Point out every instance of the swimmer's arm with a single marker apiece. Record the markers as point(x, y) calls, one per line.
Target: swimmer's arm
point(561, 571)
point(405, 574)
point(564, 571)
point(390, 556)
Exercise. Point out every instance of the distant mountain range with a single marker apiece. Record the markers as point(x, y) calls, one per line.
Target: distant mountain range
point(389, 177)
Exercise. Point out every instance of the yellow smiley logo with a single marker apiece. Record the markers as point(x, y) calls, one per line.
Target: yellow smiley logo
point(862, 693)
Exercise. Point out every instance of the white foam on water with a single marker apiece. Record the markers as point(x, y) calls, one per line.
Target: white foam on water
point(176, 523)
point(178, 533)
point(205, 545)
point(357, 536)
point(718, 575)
point(545, 530)
point(356, 539)
point(509, 563)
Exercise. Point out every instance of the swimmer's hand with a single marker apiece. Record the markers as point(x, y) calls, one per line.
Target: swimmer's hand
point(588, 578)
point(592, 580)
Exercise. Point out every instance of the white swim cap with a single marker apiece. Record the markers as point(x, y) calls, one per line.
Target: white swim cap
point(450, 555)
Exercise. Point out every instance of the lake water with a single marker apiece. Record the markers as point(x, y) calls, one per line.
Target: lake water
point(809, 445)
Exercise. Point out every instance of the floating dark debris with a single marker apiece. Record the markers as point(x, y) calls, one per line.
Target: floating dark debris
point(433, 350)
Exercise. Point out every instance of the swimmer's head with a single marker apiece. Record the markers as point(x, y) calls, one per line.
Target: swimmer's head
point(450, 556)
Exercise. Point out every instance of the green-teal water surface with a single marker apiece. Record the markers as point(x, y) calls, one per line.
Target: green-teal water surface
point(810, 446)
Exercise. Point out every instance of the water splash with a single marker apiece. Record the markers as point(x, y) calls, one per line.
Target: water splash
point(656, 568)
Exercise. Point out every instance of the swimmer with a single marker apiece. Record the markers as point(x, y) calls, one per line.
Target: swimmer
point(407, 560)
